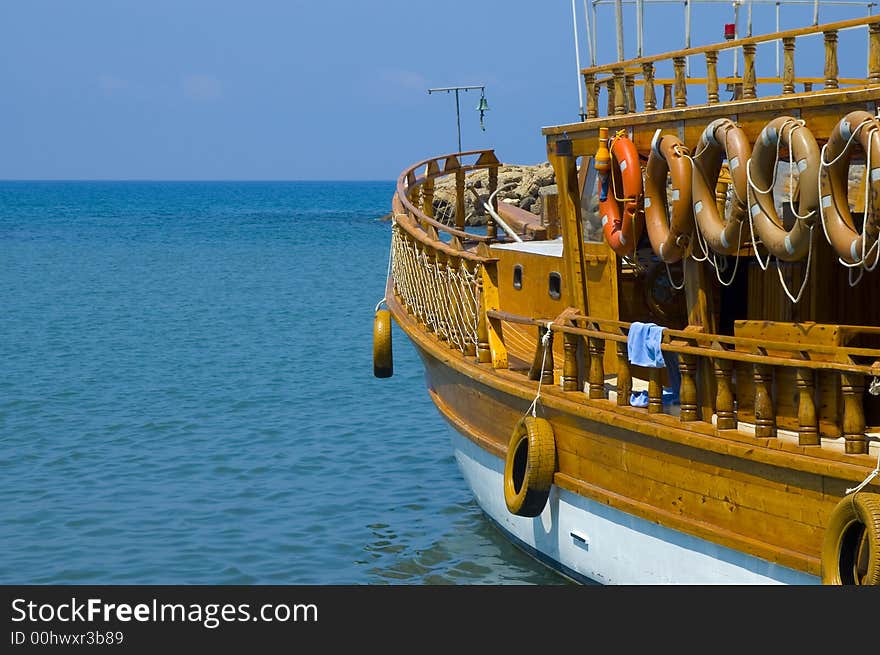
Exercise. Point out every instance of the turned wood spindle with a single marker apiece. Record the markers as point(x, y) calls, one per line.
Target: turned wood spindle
point(667, 96)
point(712, 77)
point(624, 375)
point(852, 386)
point(724, 407)
point(808, 425)
point(459, 199)
point(592, 95)
point(630, 94)
point(536, 371)
point(609, 85)
point(569, 364)
point(831, 59)
point(874, 53)
point(788, 64)
point(491, 228)
point(655, 390)
point(765, 416)
point(428, 197)
point(749, 81)
point(597, 368)
point(619, 92)
point(678, 64)
point(650, 100)
point(687, 366)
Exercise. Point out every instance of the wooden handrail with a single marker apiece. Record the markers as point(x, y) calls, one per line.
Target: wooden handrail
point(736, 43)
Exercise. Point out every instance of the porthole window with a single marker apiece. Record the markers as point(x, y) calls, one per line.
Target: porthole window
point(517, 277)
point(555, 286)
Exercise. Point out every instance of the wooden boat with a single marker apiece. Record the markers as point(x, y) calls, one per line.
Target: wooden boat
point(659, 402)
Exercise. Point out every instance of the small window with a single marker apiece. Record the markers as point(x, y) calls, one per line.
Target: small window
point(555, 286)
point(517, 277)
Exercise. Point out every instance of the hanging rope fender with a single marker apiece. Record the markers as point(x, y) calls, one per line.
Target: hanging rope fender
point(761, 169)
point(670, 239)
point(620, 208)
point(852, 248)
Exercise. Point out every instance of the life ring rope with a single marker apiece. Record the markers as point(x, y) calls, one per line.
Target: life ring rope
point(862, 262)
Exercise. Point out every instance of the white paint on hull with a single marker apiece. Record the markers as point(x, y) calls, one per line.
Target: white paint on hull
point(610, 546)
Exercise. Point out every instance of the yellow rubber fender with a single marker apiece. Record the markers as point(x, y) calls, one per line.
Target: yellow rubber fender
point(670, 239)
point(788, 245)
point(722, 139)
point(851, 546)
point(859, 127)
point(383, 362)
point(529, 466)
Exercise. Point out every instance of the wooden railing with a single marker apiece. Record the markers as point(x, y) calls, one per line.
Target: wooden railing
point(721, 354)
point(626, 75)
point(416, 191)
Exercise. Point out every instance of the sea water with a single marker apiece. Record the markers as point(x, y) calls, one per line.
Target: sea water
point(186, 395)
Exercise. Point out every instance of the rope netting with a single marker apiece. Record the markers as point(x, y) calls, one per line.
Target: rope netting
point(441, 292)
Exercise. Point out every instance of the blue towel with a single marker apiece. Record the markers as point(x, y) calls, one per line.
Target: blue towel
point(643, 345)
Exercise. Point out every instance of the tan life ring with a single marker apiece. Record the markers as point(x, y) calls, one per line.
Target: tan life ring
point(383, 362)
point(622, 190)
point(851, 545)
point(669, 239)
point(529, 466)
point(794, 244)
point(840, 230)
point(722, 139)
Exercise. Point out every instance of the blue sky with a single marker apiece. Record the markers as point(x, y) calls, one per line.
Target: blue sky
point(282, 89)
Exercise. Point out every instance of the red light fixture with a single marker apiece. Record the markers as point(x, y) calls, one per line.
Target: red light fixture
point(730, 31)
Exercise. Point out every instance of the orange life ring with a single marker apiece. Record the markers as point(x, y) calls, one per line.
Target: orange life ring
point(837, 220)
point(669, 239)
point(622, 189)
point(722, 139)
point(794, 244)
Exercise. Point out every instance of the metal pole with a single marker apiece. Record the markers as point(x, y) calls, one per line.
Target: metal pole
point(776, 46)
point(816, 12)
point(577, 59)
point(590, 50)
point(458, 120)
point(595, 33)
point(736, 36)
point(687, 33)
point(640, 26)
point(618, 9)
point(749, 19)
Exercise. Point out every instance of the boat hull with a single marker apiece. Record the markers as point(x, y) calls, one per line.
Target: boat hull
point(590, 542)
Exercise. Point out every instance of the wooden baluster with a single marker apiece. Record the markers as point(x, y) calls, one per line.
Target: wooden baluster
point(544, 372)
point(712, 77)
point(687, 365)
point(491, 228)
point(852, 385)
point(570, 364)
point(619, 92)
point(630, 94)
point(788, 64)
point(650, 100)
point(459, 199)
point(624, 375)
point(749, 90)
point(680, 82)
point(484, 352)
point(655, 390)
point(831, 59)
point(874, 53)
point(592, 95)
point(597, 368)
point(765, 416)
point(667, 96)
point(610, 86)
point(808, 86)
point(428, 197)
point(724, 407)
point(808, 425)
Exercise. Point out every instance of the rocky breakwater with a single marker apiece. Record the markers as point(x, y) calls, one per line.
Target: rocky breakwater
point(519, 185)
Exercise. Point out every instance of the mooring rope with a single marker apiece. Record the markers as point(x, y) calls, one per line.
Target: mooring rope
point(545, 342)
